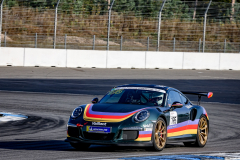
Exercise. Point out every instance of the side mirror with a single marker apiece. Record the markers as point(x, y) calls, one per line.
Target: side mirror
point(177, 105)
point(95, 100)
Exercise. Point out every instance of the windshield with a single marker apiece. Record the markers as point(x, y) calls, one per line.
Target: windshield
point(146, 96)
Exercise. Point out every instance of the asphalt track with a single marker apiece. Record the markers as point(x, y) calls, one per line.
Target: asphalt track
point(48, 96)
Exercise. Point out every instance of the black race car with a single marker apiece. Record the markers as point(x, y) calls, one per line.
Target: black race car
point(140, 115)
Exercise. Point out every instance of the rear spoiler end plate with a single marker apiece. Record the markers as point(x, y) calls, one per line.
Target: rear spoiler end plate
point(199, 94)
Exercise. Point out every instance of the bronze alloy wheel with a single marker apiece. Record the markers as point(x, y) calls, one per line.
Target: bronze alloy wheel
point(160, 135)
point(202, 134)
point(203, 131)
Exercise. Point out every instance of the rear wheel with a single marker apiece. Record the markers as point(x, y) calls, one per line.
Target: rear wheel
point(202, 134)
point(80, 146)
point(159, 136)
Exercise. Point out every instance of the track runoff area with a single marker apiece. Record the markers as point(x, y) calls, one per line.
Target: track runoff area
point(45, 97)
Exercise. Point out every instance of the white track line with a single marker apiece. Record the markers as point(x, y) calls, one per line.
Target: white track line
point(159, 154)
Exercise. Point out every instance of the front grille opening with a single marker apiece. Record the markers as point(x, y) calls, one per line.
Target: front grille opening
point(73, 132)
point(119, 134)
point(130, 135)
point(98, 136)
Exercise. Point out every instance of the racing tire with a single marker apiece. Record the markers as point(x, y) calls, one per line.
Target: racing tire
point(159, 135)
point(202, 134)
point(80, 146)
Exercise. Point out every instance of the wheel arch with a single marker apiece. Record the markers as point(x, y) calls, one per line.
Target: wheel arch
point(164, 118)
point(207, 121)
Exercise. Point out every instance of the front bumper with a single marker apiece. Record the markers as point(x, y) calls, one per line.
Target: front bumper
point(123, 137)
point(109, 142)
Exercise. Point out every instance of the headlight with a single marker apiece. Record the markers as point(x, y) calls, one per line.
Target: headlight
point(76, 112)
point(142, 116)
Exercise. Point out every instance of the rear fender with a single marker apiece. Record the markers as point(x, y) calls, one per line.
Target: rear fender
point(197, 112)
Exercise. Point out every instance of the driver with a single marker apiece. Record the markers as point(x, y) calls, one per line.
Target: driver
point(133, 97)
point(157, 100)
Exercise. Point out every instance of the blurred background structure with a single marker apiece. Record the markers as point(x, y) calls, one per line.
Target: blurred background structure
point(136, 25)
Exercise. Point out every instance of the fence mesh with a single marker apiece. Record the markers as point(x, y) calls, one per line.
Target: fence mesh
point(133, 25)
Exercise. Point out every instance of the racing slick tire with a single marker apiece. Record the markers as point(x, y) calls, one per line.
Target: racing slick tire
point(80, 146)
point(159, 135)
point(202, 134)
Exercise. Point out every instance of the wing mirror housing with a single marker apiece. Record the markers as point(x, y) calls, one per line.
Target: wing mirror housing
point(177, 105)
point(94, 100)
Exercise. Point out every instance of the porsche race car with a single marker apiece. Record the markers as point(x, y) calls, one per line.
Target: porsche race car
point(140, 115)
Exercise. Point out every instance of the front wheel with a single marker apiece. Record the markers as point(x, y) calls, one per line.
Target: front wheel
point(80, 146)
point(159, 136)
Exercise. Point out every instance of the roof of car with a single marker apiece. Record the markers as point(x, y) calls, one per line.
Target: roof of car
point(147, 85)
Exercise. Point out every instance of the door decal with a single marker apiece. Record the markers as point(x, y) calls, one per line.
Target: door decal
point(173, 118)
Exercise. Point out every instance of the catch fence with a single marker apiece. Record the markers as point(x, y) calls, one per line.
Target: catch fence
point(133, 25)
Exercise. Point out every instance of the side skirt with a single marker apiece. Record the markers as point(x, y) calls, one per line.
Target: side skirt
point(183, 138)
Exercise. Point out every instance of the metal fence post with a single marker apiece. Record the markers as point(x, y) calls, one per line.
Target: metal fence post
point(199, 49)
point(109, 23)
point(65, 42)
point(174, 44)
point(121, 43)
point(225, 41)
point(147, 43)
point(1, 8)
point(5, 39)
point(55, 25)
point(93, 42)
point(159, 24)
point(36, 40)
point(204, 28)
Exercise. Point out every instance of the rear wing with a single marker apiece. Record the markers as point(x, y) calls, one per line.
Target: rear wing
point(199, 94)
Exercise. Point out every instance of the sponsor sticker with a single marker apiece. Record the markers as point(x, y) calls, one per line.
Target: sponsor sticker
point(147, 129)
point(160, 86)
point(173, 117)
point(148, 125)
point(98, 129)
point(119, 91)
point(188, 106)
point(99, 124)
point(142, 88)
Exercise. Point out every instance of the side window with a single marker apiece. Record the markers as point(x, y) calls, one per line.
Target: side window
point(184, 99)
point(173, 96)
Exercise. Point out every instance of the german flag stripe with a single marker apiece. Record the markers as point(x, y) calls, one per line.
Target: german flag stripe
point(183, 132)
point(90, 115)
point(183, 128)
point(144, 139)
point(144, 135)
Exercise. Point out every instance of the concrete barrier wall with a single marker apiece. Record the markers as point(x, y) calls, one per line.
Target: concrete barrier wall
point(114, 59)
point(126, 59)
point(86, 58)
point(229, 61)
point(45, 57)
point(11, 56)
point(164, 60)
point(201, 60)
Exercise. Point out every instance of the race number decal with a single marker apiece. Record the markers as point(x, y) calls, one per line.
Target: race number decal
point(173, 118)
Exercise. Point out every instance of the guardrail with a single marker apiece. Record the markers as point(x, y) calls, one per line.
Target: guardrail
point(155, 25)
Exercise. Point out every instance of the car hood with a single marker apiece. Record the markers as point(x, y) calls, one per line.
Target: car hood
point(110, 112)
point(119, 108)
